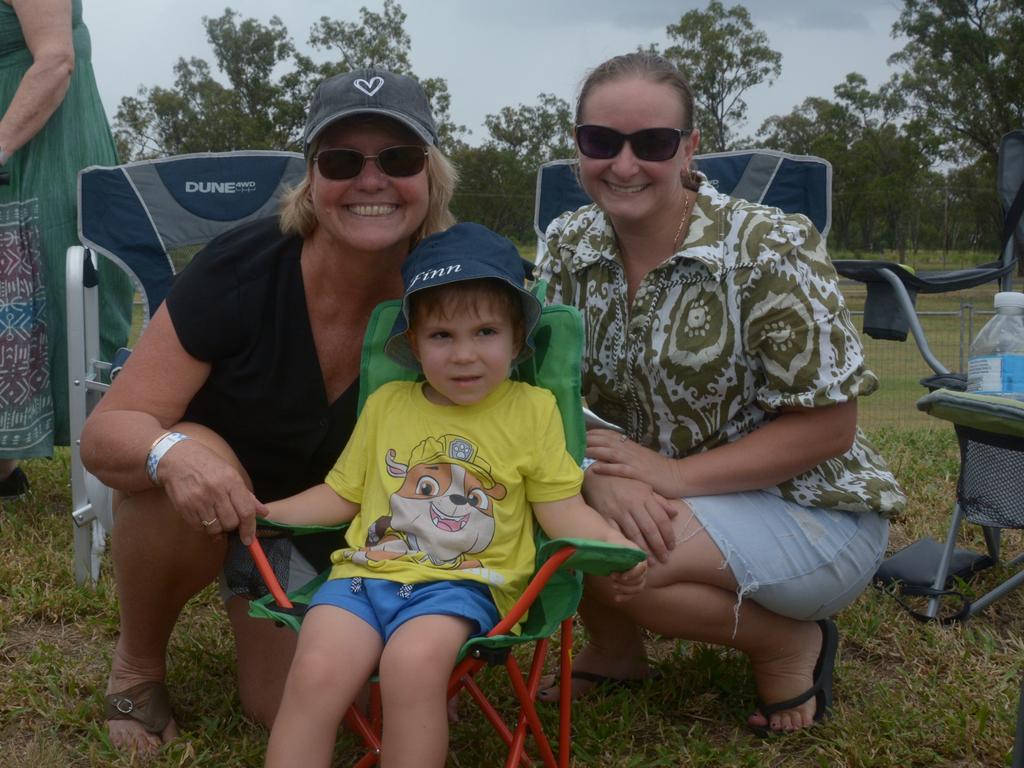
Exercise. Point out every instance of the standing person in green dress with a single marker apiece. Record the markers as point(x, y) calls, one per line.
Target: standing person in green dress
point(52, 126)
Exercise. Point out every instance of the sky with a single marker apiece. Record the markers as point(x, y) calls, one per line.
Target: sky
point(497, 53)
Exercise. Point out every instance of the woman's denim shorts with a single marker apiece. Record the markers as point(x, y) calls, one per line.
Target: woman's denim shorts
point(802, 562)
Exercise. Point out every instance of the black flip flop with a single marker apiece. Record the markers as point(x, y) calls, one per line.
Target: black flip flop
point(820, 691)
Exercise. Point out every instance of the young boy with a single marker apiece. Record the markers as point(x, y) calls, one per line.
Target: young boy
point(438, 480)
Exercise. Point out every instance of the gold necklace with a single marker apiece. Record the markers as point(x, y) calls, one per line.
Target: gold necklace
point(687, 208)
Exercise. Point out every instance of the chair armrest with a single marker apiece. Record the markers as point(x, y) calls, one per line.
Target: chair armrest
point(594, 557)
point(555, 589)
point(297, 530)
point(987, 413)
point(870, 271)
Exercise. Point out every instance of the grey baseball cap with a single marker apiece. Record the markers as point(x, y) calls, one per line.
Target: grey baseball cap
point(374, 92)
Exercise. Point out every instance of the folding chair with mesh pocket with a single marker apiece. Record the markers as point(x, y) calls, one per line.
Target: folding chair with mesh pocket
point(990, 489)
point(550, 600)
point(149, 218)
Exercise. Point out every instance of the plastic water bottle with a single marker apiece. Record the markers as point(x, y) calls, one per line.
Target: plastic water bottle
point(996, 362)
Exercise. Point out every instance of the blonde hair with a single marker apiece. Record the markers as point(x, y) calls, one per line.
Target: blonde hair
point(299, 218)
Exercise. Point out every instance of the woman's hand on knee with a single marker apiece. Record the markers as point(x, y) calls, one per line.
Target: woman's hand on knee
point(643, 516)
point(208, 491)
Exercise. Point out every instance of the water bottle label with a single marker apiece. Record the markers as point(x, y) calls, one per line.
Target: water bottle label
point(996, 375)
point(1013, 374)
point(984, 375)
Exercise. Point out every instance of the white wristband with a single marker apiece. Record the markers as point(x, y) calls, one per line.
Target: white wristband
point(161, 445)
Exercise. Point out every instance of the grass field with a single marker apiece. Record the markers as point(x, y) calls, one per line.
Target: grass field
point(907, 694)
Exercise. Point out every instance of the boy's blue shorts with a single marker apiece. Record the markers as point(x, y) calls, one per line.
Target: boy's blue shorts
point(386, 605)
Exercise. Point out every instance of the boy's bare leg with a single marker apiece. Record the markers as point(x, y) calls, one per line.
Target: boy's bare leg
point(336, 654)
point(414, 671)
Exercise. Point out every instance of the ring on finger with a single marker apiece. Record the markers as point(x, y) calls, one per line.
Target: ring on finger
point(623, 438)
point(208, 523)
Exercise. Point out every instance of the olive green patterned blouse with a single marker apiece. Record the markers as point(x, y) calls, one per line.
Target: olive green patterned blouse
point(745, 318)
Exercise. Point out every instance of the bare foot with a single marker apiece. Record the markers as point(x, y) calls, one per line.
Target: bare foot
point(595, 668)
point(786, 676)
point(129, 734)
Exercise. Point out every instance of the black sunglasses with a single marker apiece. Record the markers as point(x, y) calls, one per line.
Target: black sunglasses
point(399, 162)
point(650, 144)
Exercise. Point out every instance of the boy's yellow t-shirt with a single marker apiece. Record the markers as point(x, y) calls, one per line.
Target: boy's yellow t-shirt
point(445, 491)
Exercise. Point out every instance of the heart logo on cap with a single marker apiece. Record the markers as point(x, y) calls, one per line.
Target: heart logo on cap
point(369, 87)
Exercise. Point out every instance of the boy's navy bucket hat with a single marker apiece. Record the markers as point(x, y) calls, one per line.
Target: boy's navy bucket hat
point(369, 91)
point(465, 251)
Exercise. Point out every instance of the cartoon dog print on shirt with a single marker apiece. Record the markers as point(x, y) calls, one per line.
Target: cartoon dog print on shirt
point(444, 509)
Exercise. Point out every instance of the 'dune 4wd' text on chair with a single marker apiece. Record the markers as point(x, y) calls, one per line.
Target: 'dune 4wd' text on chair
point(149, 218)
point(550, 600)
point(990, 430)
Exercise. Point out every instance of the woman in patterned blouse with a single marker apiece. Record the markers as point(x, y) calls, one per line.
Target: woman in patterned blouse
point(717, 337)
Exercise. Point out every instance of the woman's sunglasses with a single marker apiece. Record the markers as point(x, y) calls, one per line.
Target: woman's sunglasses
point(650, 144)
point(398, 162)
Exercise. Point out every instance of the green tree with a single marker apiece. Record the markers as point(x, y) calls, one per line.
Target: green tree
point(973, 210)
point(495, 190)
point(380, 40)
point(826, 129)
point(498, 180)
point(879, 164)
point(533, 133)
point(201, 114)
point(254, 109)
point(964, 73)
point(723, 57)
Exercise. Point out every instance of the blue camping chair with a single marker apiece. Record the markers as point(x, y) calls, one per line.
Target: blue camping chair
point(794, 183)
point(149, 218)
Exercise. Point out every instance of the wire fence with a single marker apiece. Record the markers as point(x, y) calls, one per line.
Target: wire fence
point(950, 322)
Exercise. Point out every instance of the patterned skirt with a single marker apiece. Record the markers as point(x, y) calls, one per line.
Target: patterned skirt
point(26, 408)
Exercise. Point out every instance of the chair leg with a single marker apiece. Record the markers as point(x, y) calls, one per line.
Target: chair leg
point(991, 596)
point(367, 727)
point(99, 546)
point(947, 555)
point(992, 541)
point(565, 696)
point(526, 692)
point(83, 539)
point(1018, 738)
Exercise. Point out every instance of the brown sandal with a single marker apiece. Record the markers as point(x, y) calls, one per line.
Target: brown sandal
point(147, 702)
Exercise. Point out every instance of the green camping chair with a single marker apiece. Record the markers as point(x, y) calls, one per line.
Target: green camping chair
point(549, 602)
